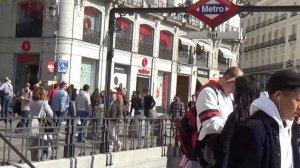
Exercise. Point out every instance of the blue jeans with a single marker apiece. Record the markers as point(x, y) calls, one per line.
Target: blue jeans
point(81, 129)
point(5, 103)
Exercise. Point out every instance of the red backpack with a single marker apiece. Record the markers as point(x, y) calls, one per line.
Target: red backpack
point(187, 135)
point(187, 132)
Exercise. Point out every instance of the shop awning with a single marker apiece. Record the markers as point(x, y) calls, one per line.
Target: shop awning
point(203, 80)
point(186, 41)
point(207, 47)
point(228, 54)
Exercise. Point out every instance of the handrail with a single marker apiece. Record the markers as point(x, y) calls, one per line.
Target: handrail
point(16, 150)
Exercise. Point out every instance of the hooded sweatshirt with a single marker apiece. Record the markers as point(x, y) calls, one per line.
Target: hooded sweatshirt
point(83, 102)
point(265, 104)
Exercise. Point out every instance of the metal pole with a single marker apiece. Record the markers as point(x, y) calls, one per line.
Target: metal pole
point(16, 150)
point(253, 8)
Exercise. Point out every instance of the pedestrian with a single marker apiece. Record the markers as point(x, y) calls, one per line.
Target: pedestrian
point(39, 108)
point(60, 103)
point(25, 98)
point(214, 104)
point(191, 106)
point(115, 114)
point(72, 93)
point(84, 110)
point(148, 104)
point(95, 100)
point(52, 92)
point(246, 91)
point(136, 104)
point(176, 111)
point(7, 94)
point(267, 138)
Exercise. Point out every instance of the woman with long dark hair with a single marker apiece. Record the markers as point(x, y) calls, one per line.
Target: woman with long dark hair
point(246, 91)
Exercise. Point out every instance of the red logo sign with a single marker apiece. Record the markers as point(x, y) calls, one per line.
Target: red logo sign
point(50, 66)
point(26, 45)
point(144, 71)
point(145, 62)
point(213, 12)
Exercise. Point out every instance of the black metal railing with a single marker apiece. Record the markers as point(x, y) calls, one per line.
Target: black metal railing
point(202, 61)
point(123, 44)
point(91, 36)
point(292, 37)
point(84, 136)
point(165, 53)
point(293, 14)
point(146, 49)
point(183, 56)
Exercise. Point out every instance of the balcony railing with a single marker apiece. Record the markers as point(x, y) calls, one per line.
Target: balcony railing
point(123, 44)
point(283, 16)
point(293, 14)
point(146, 49)
point(165, 53)
point(91, 36)
point(292, 37)
point(223, 65)
point(202, 61)
point(184, 57)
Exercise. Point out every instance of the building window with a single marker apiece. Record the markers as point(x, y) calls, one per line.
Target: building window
point(165, 45)
point(124, 35)
point(91, 25)
point(146, 40)
point(30, 19)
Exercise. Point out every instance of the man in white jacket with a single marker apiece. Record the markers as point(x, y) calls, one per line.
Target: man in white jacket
point(84, 110)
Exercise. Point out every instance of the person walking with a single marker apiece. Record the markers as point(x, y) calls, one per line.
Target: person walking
point(60, 102)
point(84, 110)
point(52, 92)
point(246, 91)
point(25, 98)
point(176, 111)
point(214, 104)
point(191, 106)
point(39, 108)
point(148, 104)
point(136, 104)
point(7, 94)
point(267, 138)
point(115, 113)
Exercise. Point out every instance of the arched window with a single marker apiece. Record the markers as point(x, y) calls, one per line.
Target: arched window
point(91, 25)
point(146, 37)
point(30, 19)
point(124, 34)
point(165, 45)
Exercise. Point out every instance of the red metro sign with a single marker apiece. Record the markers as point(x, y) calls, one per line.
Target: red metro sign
point(213, 12)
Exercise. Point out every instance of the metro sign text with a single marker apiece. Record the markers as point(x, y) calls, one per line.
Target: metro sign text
point(212, 9)
point(213, 12)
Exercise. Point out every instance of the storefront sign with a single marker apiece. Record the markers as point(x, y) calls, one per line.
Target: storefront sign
point(144, 71)
point(62, 66)
point(26, 45)
point(51, 66)
point(202, 72)
point(28, 58)
point(185, 69)
point(145, 62)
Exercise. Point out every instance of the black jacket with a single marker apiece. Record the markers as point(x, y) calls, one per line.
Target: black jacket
point(223, 146)
point(256, 144)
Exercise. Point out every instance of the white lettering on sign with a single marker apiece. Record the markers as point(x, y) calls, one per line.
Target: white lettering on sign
point(213, 9)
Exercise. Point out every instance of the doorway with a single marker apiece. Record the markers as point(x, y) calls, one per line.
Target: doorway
point(27, 71)
point(142, 83)
point(183, 87)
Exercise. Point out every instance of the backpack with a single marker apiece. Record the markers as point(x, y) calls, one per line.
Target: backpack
point(187, 134)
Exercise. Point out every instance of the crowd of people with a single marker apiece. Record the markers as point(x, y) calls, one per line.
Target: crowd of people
point(239, 126)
